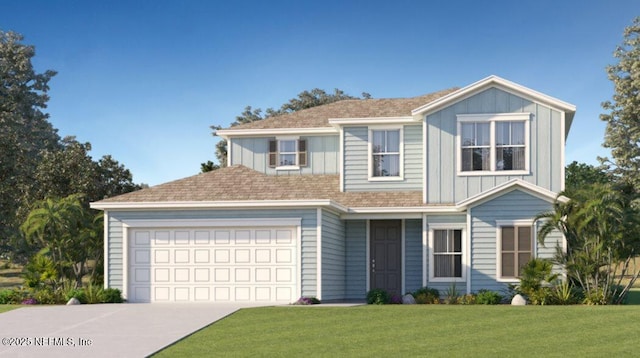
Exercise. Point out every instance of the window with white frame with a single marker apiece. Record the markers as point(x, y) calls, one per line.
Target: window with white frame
point(287, 153)
point(515, 249)
point(385, 153)
point(493, 143)
point(446, 246)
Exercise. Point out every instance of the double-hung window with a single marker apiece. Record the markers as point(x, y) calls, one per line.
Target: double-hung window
point(496, 143)
point(515, 249)
point(446, 246)
point(385, 157)
point(287, 153)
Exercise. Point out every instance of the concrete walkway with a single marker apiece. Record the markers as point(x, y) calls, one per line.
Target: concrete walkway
point(106, 330)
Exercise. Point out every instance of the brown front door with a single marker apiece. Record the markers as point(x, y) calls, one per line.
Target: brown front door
point(385, 265)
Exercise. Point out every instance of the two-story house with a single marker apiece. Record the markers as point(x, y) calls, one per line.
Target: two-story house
point(335, 200)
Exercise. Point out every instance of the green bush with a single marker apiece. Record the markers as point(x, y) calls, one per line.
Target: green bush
point(47, 296)
point(10, 296)
point(113, 295)
point(426, 295)
point(77, 293)
point(486, 297)
point(564, 293)
point(468, 299)
point(40, 271)
point(378, 296)
point(94, 294)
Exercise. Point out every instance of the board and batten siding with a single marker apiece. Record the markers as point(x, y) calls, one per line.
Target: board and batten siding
point(308, 244)
point(514, 205)
point(356, 259)
point(333, 257)
point(356, 161)
point(322, 155)
point(545, 147)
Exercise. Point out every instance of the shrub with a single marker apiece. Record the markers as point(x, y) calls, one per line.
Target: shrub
point(77, 293)
point(10, 296)
point(451, 295)
point(47, 296)
point(396, 299)
point(378, 296)
point(29, 301)
point(306, 300)
point(564, 293)
point(40, 271)
point(468, 299)
point(113, 295)
point(94, 294)
point(486, 297)
point(426, 295)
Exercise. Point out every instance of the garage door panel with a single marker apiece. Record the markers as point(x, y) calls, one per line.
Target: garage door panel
point(217, 265)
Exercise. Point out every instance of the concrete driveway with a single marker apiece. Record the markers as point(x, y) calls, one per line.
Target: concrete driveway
point(106, 330)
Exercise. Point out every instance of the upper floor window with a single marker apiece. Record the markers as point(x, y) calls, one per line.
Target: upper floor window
point(385, 155)
point(287, 153)
point(493, 143)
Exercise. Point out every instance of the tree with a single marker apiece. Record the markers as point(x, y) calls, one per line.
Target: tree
point(68, 231)
point(580, 174)
point(25, 133)
point(601, 225)
point(304, 100)
point(623, 125)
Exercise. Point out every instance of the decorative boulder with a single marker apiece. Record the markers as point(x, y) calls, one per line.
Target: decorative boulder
point(73, 301)
point(408, 299)
point(518, 300)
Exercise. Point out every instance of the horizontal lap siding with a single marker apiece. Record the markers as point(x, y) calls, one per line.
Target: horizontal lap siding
point(545, 141)
point(413, 254)
point(333, 257)
point(308, 240)
point(356, 161)
point(515, 205)
point(322, 154)
point(356, 259)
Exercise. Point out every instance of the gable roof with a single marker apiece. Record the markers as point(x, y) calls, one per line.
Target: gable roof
point(231, 185)
point(318, 117)
point(506, 187)
point(505, 85)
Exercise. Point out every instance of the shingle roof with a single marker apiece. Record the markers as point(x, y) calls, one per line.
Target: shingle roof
point(318, 117)
point(237, 183)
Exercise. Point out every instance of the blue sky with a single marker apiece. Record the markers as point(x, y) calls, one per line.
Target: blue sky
point(144, 80)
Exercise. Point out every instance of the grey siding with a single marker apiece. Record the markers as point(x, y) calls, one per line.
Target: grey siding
point(356, 161)
point(356, 259)
point(515, 205)
point(322, 154)
point(413, 254)
point(333, 257)
point(545, 139)
point(445, 219)
point(308, 239)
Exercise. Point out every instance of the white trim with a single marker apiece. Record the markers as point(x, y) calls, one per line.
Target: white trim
point(372, 120)
point(226, 133)
point(425, 247)
point(402, 257)
point(469, 244)
point(488, 82)
point(178, 223)
point(492, 118)
point(229, 156)
point(463, 251)
point(424, 160)
point(105, 257)
point(125, 261)
point(400, 130)
point(563, 141)
point(514, 223)
point(287, 167)
point(319, 254)
point(403, 210)
point(504, 188)
point(380, 216)
point(368, 254)
point(299, 260)
point(341, 160)
point(216, 204)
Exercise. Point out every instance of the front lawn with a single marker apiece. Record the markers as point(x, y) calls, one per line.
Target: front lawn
point(5, 308)
point(419, 330)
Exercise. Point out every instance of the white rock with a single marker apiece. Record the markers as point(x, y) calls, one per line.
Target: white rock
point(518, 300)
point(73, 301)
point(408, 299)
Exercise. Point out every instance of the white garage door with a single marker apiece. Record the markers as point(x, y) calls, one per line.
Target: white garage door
point(212, 265)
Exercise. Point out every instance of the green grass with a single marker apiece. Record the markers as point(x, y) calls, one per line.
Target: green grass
point(419, 330)
point(5, 308)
